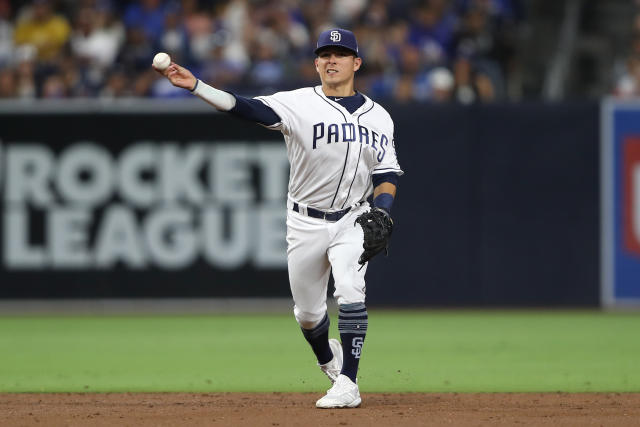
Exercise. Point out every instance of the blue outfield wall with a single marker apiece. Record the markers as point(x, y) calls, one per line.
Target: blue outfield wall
point(620, 203)
point(499, 206)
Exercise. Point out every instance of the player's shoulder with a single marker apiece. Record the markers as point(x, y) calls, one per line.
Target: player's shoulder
point(377, 109)
point(292, 94)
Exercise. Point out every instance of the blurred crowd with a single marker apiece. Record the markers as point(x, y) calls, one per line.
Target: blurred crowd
point(627, 84)
point(425, 51)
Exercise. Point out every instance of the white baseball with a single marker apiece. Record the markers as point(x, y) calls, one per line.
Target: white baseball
point(161, 61)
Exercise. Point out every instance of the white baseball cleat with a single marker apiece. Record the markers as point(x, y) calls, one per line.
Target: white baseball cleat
point(343, 394)
point(334, 366)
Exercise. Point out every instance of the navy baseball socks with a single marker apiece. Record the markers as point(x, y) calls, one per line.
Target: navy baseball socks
point(327, 351)
point(318, 338)
point(352, 324)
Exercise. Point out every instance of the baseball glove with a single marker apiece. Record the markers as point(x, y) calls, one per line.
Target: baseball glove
point(377, 226)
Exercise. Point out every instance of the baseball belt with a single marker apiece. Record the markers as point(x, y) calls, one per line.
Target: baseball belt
point(327, 216)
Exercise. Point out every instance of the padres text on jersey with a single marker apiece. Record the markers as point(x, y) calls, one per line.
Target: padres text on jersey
point(332, 152)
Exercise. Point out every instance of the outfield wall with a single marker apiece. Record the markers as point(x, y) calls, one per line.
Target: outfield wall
point(620, 203)
point(498, 207)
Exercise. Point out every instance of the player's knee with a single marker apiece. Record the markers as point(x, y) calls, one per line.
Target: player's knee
point(308, 320)
point(351, 297)
point(348, 292)
point(306, 324)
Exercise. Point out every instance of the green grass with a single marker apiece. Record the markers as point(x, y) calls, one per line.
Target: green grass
point(418, 351)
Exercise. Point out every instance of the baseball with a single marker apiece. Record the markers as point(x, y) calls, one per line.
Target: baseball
point(161, 61)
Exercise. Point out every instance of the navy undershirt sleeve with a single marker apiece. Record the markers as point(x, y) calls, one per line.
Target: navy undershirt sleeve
point(390, 177)
point(254, 110)
point(384, 200)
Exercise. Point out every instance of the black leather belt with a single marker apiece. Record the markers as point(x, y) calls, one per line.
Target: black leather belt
point(328, 216)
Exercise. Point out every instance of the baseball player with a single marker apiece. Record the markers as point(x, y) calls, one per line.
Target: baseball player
point(341, 150)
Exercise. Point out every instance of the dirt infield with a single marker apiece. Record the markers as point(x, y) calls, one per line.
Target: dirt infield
point(289, 409)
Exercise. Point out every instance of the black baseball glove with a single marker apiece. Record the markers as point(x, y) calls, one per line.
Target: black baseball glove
point(377, 226)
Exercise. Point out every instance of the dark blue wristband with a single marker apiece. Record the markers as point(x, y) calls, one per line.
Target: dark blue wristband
point(384, 201)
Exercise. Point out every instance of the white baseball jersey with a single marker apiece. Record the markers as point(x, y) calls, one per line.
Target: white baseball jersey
point(332, 152)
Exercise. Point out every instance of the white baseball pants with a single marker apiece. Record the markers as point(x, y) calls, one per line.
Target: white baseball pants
point(315, 248)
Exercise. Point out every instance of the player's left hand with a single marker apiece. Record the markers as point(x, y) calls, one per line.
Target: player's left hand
point(377, 226)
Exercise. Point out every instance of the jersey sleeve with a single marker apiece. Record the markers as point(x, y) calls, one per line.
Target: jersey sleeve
point(283, 106)
point(388, 163)
point(255, 111)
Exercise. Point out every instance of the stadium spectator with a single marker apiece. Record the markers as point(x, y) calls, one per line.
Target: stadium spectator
point(267, 69)
point(628, 85)
point(432, 31)
point(394, 41)
point(173, 39)
point(6, 33)
point(477, 73)
point(237, 29)
point(441, 85)
point(54, 87)
point(376, 15)
point(116, 86)
point(314, 14)
point(219, 70)
point(25, 58)
point(412, 84)
point(345, 12)
point(40, 27)
point(7, 83)
point(137, 52)
point(626, 72)
point(293, 37)
point(95, 44)
point(142, 85)
point(146, 16)
point(200, 32)
point(92, 42)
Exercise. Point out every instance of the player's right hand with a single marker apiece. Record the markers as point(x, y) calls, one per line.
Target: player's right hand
point(178, 76)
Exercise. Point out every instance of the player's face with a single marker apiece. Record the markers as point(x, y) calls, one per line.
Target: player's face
point(336, 65)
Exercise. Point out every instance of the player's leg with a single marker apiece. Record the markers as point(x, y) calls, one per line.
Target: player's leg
point(344, 251)
point(309, 269)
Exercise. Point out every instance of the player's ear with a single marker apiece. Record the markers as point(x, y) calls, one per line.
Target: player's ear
point(315, 61)
point(357, 62)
